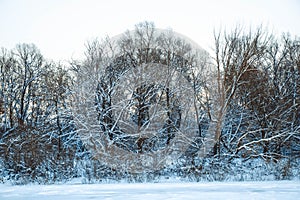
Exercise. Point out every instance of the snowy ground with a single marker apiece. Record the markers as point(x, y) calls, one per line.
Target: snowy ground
point(204, 190)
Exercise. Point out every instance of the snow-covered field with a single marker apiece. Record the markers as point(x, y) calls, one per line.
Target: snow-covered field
point(143, 191)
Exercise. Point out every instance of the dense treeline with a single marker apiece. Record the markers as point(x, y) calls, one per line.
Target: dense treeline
point(260, 90)
point(245, 98)
point(38, 138)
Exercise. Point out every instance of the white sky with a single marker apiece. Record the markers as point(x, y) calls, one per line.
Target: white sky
point(60, 28)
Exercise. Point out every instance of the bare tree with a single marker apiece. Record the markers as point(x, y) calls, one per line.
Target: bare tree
point(272, 101)
point(36, 126)
point(143, 98)
point(236, 55)
point(256, 89)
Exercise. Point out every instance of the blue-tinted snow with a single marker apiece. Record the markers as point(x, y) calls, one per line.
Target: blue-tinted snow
point(204, 190)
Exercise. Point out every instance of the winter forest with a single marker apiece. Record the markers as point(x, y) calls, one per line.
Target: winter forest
point(151, 104)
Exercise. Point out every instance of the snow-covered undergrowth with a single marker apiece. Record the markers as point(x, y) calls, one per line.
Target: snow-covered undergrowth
point(86, 172)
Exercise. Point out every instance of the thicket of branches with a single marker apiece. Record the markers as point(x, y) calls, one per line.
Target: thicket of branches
point(260, 93)
point(37, 134)
point(245, 98)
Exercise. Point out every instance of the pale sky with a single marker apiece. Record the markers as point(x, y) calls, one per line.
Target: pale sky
point(60, 28)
